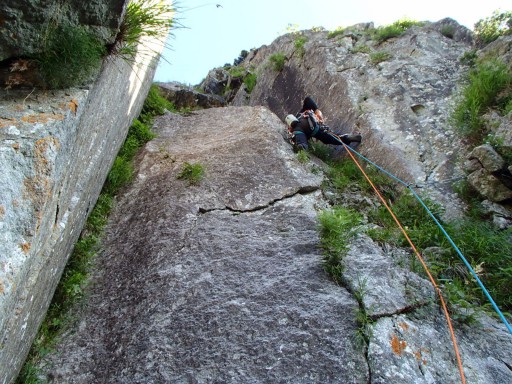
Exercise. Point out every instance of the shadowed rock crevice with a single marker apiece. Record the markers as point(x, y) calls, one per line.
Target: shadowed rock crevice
point(302, 191)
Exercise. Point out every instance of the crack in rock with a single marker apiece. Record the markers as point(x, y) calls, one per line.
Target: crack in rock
point(301, 191)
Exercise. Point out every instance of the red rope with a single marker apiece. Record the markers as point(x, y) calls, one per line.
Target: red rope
point(432, 280)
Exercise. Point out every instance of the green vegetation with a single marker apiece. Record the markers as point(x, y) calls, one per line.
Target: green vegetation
point(379, 57)
point(300, 41)
point(70, 56)
point(448, 31)
point(303, 157)
point(70, 289)
point(249, 78)
point(250, 81)
point(338, 31)
point(488, 86)
point(193, 173)
point(394, 30)
point(486, 248)
point(364, 331)
point(143, 19)
point(361, 49)
point(277, 61)
point(337, 227)
point(489, 29)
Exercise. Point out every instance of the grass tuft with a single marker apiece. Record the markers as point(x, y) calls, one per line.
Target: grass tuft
point(71, 55)
point(193, 173)
point(277, 61)
point(337, 227)
point(394, 30)
point(143, 19)
point(484, 89)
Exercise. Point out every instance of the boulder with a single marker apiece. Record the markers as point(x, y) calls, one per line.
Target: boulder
point(182, 96)
point(489, 186)
point(488, 157)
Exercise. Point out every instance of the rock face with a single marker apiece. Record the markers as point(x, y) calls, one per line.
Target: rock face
point(216, 282)
point(184, 97)
point(23, 21)
point(222, 281)
point(56, 148)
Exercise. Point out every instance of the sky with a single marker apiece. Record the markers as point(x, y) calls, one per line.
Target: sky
point(208, 34)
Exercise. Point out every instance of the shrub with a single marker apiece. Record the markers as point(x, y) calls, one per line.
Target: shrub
point(70, 56)
point(394, 30)
point(277, 61)
point(489, 29)
point(379, 57)
point(486, 82)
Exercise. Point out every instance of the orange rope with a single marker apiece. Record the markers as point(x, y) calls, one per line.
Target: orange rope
point(432, 280)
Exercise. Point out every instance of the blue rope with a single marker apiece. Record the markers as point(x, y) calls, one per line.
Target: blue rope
point(486, 292)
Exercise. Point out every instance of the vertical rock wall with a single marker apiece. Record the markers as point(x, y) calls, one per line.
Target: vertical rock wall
point(56, 149)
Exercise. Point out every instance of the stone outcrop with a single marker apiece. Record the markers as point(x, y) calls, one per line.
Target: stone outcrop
point(23, 22)
point(183, 97)
point(400, 105)
point(55, 152)
point(488, 175)
point(222, 281)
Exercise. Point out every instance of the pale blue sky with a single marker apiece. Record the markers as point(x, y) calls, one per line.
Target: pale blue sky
point(212, 35)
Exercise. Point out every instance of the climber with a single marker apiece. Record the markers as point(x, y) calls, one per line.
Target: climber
point(309, 122)
point(309, 105)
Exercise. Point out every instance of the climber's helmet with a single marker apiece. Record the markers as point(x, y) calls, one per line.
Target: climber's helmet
point(290, 119)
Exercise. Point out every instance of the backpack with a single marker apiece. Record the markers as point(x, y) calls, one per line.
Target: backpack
point(314, 125)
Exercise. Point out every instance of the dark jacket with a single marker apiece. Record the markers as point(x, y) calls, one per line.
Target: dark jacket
point(303, 125)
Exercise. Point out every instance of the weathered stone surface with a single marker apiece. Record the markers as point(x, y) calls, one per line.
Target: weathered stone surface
point(489, 186)
point(219, 282)
point(471, 165)
point(488, 157)
point(56, 148)
point(400, 105)
point(23, 21)
point(185, 97)
point(416, 348)
point(386, 287)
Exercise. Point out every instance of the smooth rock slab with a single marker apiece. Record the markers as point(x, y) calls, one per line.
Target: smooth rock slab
point(210, 284)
